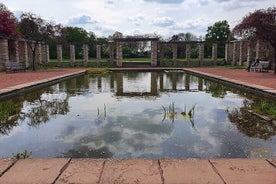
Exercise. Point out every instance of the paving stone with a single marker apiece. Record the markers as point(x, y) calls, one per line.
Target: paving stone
point(34, 171)
point(272, 160)
point(82, 171)
point(240, 171)
point(5, 164)
point(131, 171)
point(189, 171)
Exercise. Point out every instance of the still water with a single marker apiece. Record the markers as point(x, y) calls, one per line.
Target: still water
point(137, 115)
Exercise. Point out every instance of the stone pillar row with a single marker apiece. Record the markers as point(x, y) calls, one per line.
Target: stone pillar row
point(235, 52)
point(238, 52)
point(22, 53)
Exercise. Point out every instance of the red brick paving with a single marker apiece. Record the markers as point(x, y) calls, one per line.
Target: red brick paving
point(267, 79)
point(8, 80)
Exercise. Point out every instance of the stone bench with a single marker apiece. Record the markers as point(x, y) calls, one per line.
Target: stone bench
point(15, 67)
point(261, 66)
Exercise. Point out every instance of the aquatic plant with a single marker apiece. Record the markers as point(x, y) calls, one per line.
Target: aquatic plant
point(23, 155)
point(97, 70)
point(172, 114)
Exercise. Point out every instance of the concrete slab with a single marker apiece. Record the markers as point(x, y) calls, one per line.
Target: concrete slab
point(271, 91)
point(5, 164)
point(189, 171)
point(33, 171)
point(240, 171)
point(131, 171)
point(82, 171)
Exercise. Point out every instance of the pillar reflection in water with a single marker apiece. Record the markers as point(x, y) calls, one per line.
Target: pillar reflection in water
point(153, 85)
point(187, 82)
point(200, 84)
point(99, 82)
point(112, 80)
point(119, 83)
point(161, 80)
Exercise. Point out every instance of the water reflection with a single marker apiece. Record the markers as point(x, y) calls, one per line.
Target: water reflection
point(251, 125)
point(120, 115)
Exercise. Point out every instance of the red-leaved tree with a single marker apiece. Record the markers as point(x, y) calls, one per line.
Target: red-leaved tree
point(7, 22)
point(260, 25)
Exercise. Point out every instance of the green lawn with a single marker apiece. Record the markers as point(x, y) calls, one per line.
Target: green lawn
point(138, 60)
point(80, 60)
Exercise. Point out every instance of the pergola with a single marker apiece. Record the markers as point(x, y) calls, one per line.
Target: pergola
point(118, 43)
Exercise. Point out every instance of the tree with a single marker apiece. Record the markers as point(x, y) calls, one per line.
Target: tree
point(77, 36)
point(184, 37)
point(218, 33)
point(7, 22)
point(260, 25)
point(34, 28)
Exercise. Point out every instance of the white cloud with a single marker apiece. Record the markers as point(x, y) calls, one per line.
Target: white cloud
point(146, 16)
point(166, 1)
point(81, 20)
point(163, 22)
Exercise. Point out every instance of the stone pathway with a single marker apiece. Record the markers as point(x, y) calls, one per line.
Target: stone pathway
point(164, 171)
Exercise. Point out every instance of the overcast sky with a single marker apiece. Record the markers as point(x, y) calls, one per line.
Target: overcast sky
point(135, 17)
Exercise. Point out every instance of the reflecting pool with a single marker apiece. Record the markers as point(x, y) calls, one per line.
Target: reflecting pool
point(136, 115)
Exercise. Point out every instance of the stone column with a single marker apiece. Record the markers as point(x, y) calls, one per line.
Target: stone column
point(240, 54)
point(38, 55)
point(30, 50)
point(201, 53)
point(257, 50)
point(119, 54)
point(98, 53)
point(85, 54)
point(249, 54)
point(23, 53)
point(16, 51)
point(226, 55)
point(214, 52)
point(161, 54)
point(235, 53)
point(111, 53)
point(47, 54)
point(4, 50)
point(72, 55)
point(188, 53)
point(174, 50)
point(153, 53)
point(59, 54)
